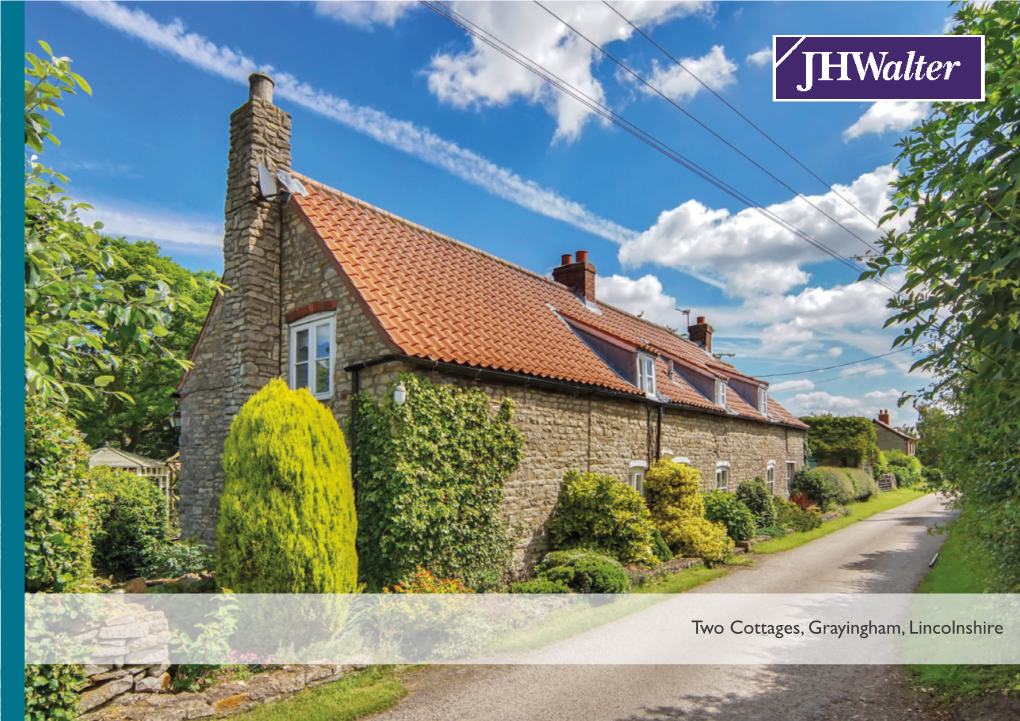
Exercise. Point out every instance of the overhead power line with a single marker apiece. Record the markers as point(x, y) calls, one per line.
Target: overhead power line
point(841, 365)
point(623, 66)
point(746, 119)
point(603, 111)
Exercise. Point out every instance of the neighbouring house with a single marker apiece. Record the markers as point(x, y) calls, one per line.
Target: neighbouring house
point(336, 295)
point(893, 439)
point(159, 471)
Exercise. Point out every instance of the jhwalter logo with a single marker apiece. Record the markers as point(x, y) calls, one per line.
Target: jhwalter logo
point(878, 67)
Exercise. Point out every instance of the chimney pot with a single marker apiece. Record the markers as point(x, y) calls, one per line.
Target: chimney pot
point(582, 256)
point(567, 259)
point(701, 319)
point(261, 87)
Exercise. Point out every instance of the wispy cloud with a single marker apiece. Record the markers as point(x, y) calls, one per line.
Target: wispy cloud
point(405, 136)
point(136, 222)
point(885, 115)
point(761, 58)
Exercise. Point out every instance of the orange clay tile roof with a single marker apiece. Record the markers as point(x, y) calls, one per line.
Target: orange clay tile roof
point(439, 299)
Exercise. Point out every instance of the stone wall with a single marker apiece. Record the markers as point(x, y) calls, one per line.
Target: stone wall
point(889, 441)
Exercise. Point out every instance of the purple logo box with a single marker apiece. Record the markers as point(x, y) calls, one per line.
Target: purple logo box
point(878, 67)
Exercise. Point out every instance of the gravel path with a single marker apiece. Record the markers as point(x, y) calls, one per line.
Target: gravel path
point(888, 553)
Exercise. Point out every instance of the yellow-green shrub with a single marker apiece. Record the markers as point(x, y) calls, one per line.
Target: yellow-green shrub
point(287, 520)
point(673, 492)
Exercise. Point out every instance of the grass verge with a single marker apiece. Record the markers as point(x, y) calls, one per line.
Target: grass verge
point(858, 512)
point(961, 568)
point(370, 691)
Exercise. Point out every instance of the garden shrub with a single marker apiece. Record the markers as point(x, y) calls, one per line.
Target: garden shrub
point(130, 519)
point(424, 581)
point(825, 486)
point(58, 502)
point(797, 517)
point(773, 531)
point(287, 521)
point(727, 509)
point(173, 559)
point(51, 692)
point(760, 500)
point(864, 485)
point(430, 484)
point(600, 513)
point(660, 549)
point(678, 512)
point(540, 585)
point(835, 440)
point(584, 572)
point(907, 469)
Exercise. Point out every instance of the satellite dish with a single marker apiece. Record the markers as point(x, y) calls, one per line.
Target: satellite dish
point(290, 183)
point(267, 184)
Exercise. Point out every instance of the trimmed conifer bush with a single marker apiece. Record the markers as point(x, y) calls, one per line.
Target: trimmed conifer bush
point(673, 493)
point(287, 520)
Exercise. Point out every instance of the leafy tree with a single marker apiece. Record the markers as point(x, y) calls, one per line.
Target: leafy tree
point(959, 299)
point(142, 426)
point(835, 440)
point(80, 326)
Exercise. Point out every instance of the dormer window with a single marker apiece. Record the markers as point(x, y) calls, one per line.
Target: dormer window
point(720, 393)
point(763, 400)
point(646, 374)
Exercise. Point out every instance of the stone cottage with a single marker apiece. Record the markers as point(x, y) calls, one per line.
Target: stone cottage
point(336, 295)
point(890, 438)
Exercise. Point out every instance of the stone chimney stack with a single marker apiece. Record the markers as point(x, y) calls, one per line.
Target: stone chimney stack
point(883, 417)
point(701, 333)
point(578, 276)
point(259, 133)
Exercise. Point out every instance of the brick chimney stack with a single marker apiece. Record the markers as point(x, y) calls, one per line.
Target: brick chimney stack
point(579, 276)
point(883, 417)
point(701, 333)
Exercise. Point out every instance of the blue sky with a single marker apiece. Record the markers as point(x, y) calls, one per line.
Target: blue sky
point(399, 107)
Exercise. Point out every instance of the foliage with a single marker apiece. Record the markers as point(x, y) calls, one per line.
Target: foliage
point(540, 585)
point(287, 521)
point(955, 257)
point(51, 692)
point(430, 484)
point(58, 502)
point(864, 485)
point(422, 581)
point(797, 517)
point(934, 427)
point(678, 512)
point(142, 426)
point(760, 500)
point(79, 326)
point(212, 642)
point(130, 519)
point(584, 572)
point(773, 531)
point(600, 513)
point(826, 486)
point(727, 509)
point(843, 441)
point(906, 468)
point(660, 549)
point(804, 501)
point(173, 559)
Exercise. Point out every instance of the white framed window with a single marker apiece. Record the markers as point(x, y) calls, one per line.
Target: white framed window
point(763, 400)
point(682, 460)
point(311, 354)
point(791, 469)
point(722, 476)
point(770, 476)
point(646, 373)
point(636, 476)
point(720, 393)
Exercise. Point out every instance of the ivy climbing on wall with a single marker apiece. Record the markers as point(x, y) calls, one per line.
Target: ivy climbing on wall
point(430, 476)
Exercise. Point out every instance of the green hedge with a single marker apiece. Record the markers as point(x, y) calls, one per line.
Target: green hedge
point(907, 469)
point(58, 502)
point(826, 486)
point(130, 520)
point(430, 479)
point(725, 508)
point(287, 521)
point(601, 513)
point(864, 485)
point(835, 440)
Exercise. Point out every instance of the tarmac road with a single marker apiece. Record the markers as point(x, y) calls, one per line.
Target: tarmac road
point(887, 553)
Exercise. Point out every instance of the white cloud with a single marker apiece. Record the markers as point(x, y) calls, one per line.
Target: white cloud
point(835, 352)
point(866, 405)
point(642, 296)
point(869, 370)
point(419, 142)
point(761, 58)
point(789, 386)
point(675, 82)
point(165, 228)
point(747, 253)
point(366, 14)
point(898, 115)
point(482, 76)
